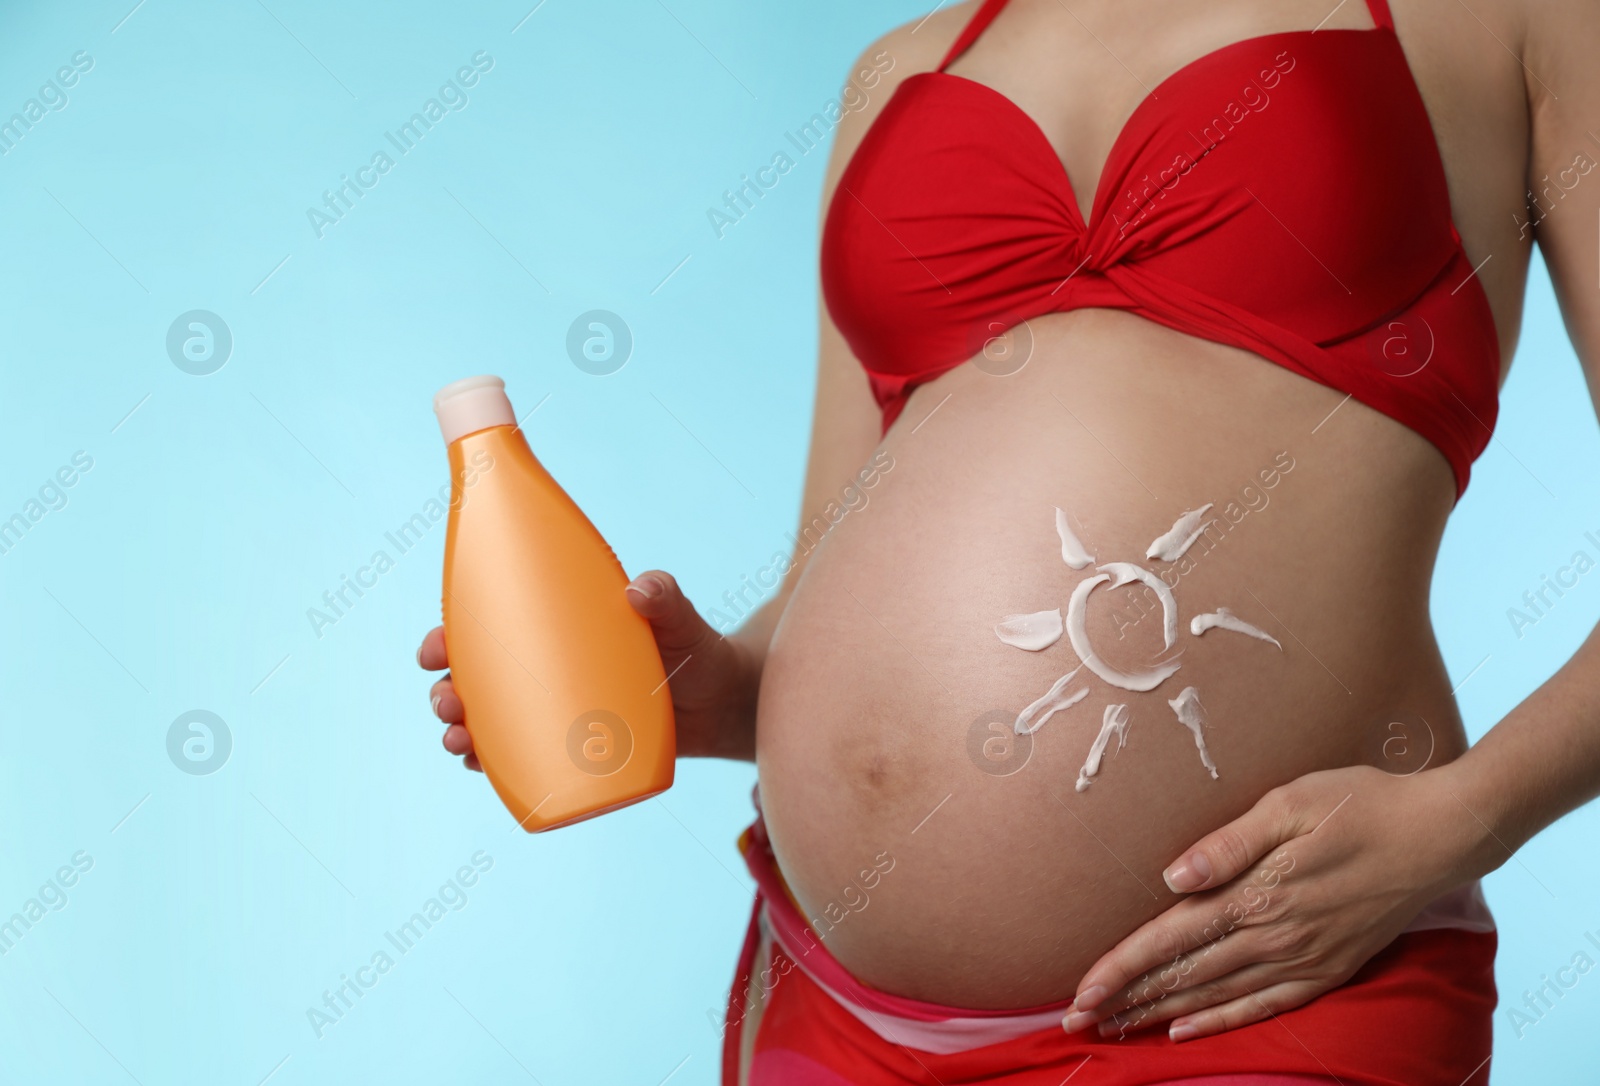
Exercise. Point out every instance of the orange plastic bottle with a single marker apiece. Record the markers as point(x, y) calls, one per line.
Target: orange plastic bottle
point(565, 695)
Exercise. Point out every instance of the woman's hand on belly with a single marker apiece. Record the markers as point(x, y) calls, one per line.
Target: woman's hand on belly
point(1315, 879)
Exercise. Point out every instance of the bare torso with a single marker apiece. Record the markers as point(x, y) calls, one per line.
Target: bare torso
point(884, 677)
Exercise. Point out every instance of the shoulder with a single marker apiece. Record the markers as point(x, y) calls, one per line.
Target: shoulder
point(909, 49)
point(919, 45)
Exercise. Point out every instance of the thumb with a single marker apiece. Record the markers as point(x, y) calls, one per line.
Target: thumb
point(678, 627)
point(1223, 855)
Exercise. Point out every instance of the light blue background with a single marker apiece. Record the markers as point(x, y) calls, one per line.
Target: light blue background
point(179, 573)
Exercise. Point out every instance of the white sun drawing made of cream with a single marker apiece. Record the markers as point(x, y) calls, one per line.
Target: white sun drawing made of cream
point(1038, 630)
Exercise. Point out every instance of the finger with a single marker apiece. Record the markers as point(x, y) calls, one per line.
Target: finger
point(1223, 854)
point(471, 762)
point(446, 702)
point(679, 629)
point(1190, 924)
point(1251, 1007)
point(1191, 969)
point(430, 654)
point(457, 740)
point(1193, 998)
point(1245, 928)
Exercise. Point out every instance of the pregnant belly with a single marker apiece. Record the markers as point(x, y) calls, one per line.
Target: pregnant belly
point(942, 856)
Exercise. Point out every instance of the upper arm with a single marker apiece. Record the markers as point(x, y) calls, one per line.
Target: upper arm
point(846, 424)
point(1563, 40)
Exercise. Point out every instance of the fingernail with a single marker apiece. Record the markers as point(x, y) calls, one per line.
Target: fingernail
point(436, 705)
point(419, 655)
point(1190, 873)
point(648, 587)
point(1077, 1020)
point(1090, 998)
point(1182, 1032)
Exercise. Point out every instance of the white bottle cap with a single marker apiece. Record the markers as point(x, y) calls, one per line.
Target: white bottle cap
point(470, 405)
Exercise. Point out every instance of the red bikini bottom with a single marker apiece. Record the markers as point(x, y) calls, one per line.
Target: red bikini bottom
point(1417, 1014)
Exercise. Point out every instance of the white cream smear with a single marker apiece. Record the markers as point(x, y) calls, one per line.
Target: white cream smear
point(1055, 699)
point(1116, 721)
point(1193, 717)
point(1180, 537)
point(1072, 551)
point(1034, 632)
point(1127, 572)
point(1078, 635)
point(1224, 619)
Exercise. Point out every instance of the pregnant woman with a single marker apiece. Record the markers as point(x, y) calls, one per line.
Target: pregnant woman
point(1100, 726)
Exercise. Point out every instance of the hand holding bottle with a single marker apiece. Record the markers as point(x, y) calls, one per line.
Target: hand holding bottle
point(713, 682)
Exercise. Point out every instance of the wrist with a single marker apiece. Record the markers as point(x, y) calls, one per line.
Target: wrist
point(1475, 805)
point(741, 726)
point(733, 722)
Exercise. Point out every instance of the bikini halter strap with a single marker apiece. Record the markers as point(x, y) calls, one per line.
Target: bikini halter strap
point(969, 34)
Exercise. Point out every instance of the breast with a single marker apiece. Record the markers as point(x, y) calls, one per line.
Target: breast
point(1283, 195)
point(885, 710)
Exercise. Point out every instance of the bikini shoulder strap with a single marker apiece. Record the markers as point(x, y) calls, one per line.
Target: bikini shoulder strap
point(980, 21)
point(1380, 13)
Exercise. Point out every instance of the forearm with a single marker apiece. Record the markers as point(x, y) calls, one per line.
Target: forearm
point(1539, 763)
point(1543, 759)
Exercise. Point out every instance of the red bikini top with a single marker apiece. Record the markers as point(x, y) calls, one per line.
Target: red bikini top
point(1283, 194)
